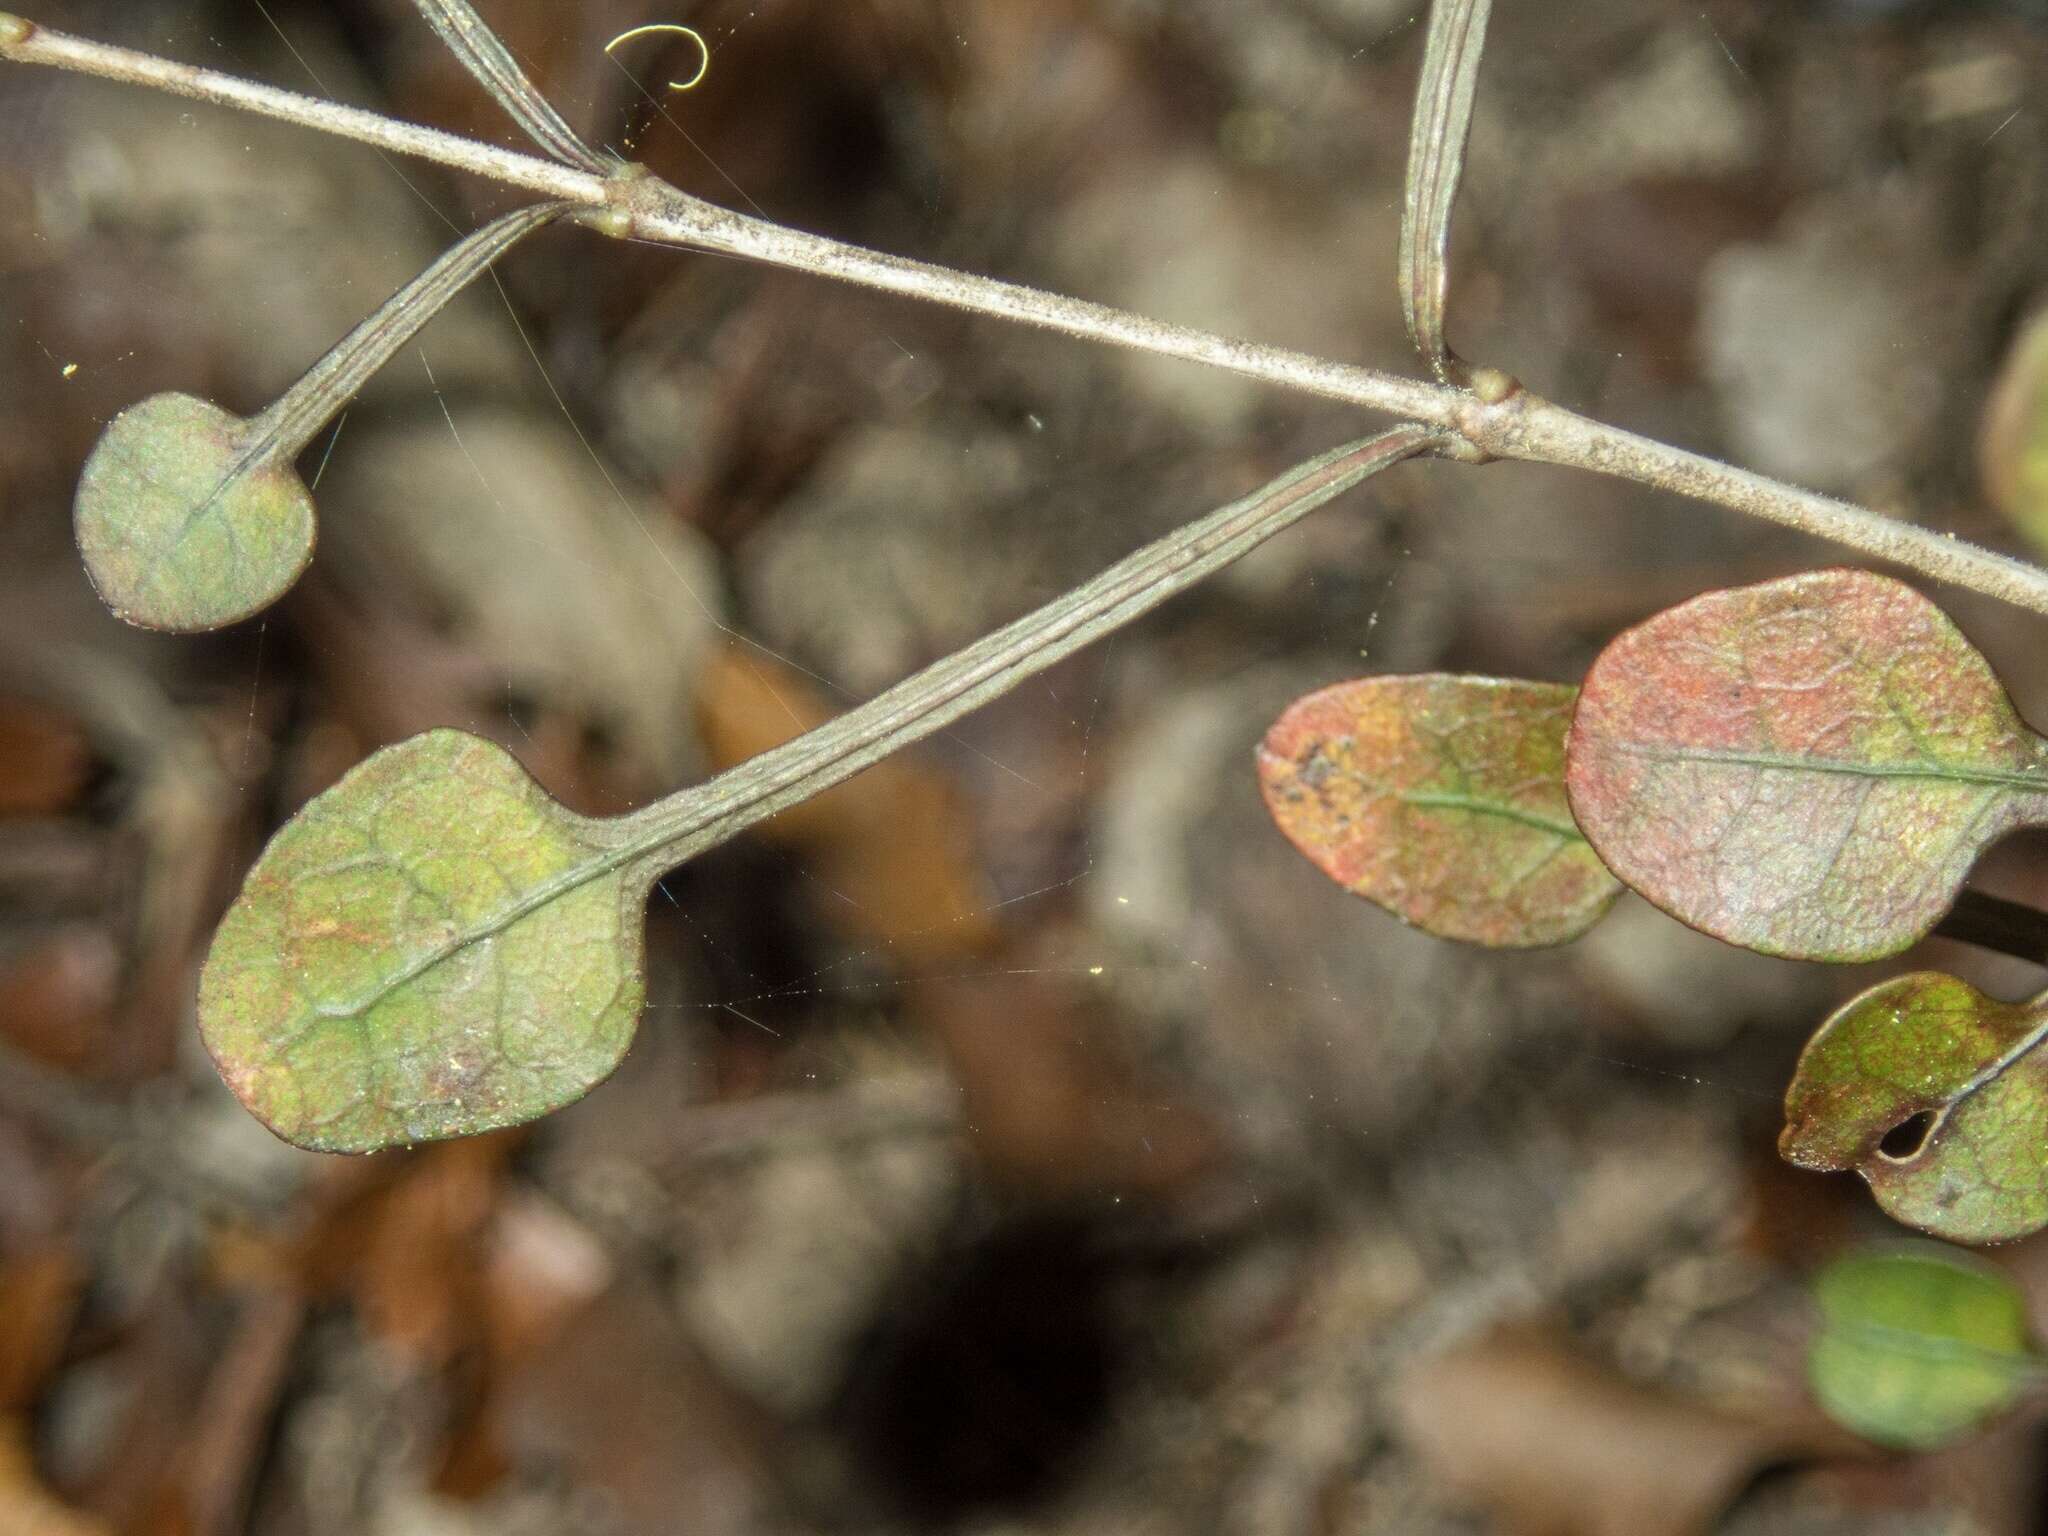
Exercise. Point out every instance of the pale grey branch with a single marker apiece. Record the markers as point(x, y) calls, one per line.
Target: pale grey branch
point(1495, 419)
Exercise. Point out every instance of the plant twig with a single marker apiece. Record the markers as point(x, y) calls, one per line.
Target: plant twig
point(288, 425)
point(1436, 164)
point(1993, 923)
point(485, 55)
point(25, 42)
point(699, 818)
point(1496, 419)
point(1529, 428)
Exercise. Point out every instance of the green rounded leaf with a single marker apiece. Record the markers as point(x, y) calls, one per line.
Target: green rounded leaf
point(1441, 799)
point(1938, 1096)
point(1808, 767)
point(1917, 1346)
point(434, 947)
point(186, 518)
point(190, 518)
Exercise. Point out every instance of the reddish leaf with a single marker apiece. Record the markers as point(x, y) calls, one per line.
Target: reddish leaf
point(1938, 1096)
point(1807, 767)
point(1442, 799)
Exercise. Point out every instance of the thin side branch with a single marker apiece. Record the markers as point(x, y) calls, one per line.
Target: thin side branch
point(1499, 420)
point(705, 815)
point(1436, 164)
point(485, 55)
point(304, 410)
point(1993, 923)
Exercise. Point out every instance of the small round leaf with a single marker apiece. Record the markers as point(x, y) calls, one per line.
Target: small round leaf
point(185, 518)
point(1938, 1096)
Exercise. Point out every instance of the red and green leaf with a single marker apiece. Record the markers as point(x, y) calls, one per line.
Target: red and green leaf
point(1808, 767)
point(1441, 799)
point(1938, 1096)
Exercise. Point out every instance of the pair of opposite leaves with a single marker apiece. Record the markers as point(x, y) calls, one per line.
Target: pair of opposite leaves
point(1807, 768)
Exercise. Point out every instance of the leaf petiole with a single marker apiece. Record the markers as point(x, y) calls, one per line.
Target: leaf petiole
point(1436, 164)
point(485, 56)
point(435, 947)
point(190, 517)
point(933, 699)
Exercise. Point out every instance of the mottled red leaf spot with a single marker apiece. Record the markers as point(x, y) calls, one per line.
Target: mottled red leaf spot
point(1441, 799)
point(1808, 767)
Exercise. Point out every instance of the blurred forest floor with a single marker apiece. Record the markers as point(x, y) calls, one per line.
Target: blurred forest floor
point(1023, 1138)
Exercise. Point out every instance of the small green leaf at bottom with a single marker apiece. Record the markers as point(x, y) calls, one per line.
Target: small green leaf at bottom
point(435, 947)
point(1938, 1096)
point(186, 520)
point(1918, 1346)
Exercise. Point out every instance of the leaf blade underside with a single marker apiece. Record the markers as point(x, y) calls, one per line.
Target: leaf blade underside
point(1930, 1045)
point(1440, 798)
point(433, 948)
point(1807, 767)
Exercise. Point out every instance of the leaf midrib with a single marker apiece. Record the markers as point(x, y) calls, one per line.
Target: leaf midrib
point(564, 883)
point(1450, 800)
point(2033, 783)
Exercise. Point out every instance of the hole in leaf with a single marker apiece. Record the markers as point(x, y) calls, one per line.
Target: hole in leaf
point(1903, 1141)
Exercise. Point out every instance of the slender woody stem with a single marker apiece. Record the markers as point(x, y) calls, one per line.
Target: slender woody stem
point(1498, 420)
point(1992, 922)
point(484, 54)
point(1537, 431)
point(24, 42)
point(703, 816)
point(284, 430)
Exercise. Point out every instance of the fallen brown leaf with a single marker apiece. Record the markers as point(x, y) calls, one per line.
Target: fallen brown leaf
point(45, 759)
point(623, 1401)
point(1052, 1107)
point(1556, 1444)
point(39, 1293)
point(59, 997)
point(411, 1253)
point(27, 1508)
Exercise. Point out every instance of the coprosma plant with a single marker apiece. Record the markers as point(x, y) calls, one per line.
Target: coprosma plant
point(435, 947)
